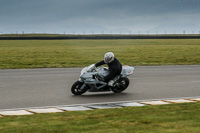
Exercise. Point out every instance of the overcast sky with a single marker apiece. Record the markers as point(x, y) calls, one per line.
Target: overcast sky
point(100, 16)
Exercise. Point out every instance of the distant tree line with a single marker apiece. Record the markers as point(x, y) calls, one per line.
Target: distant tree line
point(56, 37)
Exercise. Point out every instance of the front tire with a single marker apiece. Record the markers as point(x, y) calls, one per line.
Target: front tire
point(76, 88)
point(120, 85)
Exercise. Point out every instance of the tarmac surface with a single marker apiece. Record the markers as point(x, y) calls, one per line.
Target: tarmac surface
point(23, 88)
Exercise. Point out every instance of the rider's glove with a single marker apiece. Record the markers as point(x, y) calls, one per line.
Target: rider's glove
point(110, 83)
point(91, 68)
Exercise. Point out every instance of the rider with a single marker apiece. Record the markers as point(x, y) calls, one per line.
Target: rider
point(114, 67)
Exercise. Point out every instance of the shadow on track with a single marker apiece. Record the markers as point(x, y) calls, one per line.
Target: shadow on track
point(103, 95)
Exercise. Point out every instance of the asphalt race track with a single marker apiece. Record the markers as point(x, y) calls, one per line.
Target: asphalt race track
point(23, 88)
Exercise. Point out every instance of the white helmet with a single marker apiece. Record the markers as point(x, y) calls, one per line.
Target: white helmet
point(109, 57)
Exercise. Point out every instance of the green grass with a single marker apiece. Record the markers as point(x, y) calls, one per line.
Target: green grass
point(174, 118)
point(78, 53)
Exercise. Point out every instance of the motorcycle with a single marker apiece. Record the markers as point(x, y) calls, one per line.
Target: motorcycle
point(91, 80)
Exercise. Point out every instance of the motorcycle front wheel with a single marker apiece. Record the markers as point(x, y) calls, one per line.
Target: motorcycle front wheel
point(76, 88)
point(120, 85)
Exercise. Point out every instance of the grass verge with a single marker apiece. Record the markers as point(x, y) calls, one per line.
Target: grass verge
point(79, 53)
point(176, 118)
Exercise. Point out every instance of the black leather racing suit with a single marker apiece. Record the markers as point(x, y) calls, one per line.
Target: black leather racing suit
point(115, 68)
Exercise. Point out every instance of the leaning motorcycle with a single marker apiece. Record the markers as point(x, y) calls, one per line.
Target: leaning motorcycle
point(91, 80)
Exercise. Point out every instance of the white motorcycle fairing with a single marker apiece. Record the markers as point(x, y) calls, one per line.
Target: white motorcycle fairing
point(90, 79)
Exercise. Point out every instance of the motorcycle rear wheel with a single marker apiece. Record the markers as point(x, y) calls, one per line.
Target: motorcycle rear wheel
point(120, 85)
point(76, 88)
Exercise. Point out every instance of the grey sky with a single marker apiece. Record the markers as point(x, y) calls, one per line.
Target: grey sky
point(97, 16)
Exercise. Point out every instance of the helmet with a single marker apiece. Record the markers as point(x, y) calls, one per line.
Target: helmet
point(109, 57)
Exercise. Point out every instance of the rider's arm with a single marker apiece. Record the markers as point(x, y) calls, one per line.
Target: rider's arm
point(100, 63)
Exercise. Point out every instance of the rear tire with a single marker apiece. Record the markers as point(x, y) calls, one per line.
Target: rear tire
point(120, 85)
point(75, 89)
